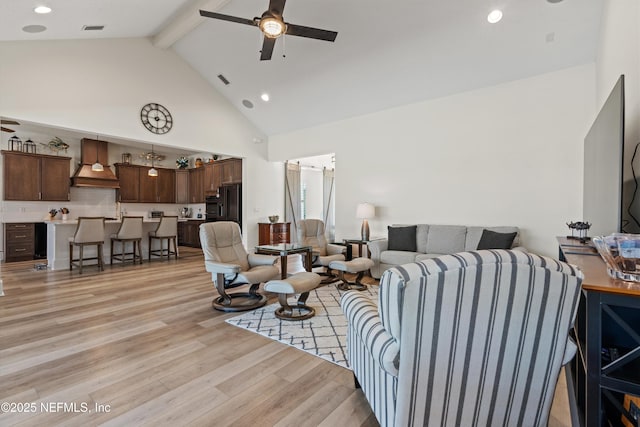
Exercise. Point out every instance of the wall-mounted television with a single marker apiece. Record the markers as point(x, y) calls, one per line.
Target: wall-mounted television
point(609, 180)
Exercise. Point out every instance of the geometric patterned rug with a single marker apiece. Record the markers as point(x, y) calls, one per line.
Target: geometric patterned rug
point(324, 335)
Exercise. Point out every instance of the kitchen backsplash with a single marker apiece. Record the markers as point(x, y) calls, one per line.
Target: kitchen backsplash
point(86, 202)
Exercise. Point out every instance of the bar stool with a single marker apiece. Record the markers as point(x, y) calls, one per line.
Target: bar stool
point(130, 231)
point(89, 232)
point(167, 230)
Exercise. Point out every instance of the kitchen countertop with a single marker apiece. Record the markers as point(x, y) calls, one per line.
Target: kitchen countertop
point(112, 221)
point(107, 220)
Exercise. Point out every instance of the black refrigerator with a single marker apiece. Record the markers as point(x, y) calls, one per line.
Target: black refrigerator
point(227, 206)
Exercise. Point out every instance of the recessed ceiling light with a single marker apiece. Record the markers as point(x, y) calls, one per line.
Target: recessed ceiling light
point(247, 103)
point(34, 28)
point(265, 97)
point(42, 9)
point(494, 16)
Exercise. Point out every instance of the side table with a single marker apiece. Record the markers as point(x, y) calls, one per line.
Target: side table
point(360, 243)
point(284, 250)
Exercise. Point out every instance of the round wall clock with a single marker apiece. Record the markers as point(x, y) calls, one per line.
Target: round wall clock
point(156, 118)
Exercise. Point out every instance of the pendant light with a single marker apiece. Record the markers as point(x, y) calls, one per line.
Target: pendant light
point(97, 166)
point(153, 171)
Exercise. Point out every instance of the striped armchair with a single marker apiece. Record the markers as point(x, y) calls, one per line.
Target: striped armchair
point(474, 339)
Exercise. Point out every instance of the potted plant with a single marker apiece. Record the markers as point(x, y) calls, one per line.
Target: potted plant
point(65, 213)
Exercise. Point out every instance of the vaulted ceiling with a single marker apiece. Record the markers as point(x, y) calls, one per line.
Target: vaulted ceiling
point(386, 53)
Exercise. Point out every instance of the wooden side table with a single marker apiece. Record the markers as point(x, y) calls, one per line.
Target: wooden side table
point(274, 233)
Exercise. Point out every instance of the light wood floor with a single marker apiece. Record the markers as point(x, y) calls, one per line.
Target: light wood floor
point(140, 345)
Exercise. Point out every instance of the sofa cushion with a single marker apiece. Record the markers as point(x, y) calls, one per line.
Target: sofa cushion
point(397, 257)
point(421, 237)
point(493, 240)
point(402, 238)
point(446, 239)
point(475, 232)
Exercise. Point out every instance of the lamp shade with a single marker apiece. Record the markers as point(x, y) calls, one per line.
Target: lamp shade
point(365, 210)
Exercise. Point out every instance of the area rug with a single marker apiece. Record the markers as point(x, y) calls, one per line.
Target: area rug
point(324, 335)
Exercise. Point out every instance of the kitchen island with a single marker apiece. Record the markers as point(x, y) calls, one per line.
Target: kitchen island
point(59, 232)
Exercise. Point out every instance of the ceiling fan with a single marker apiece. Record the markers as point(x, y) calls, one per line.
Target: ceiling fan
point(273, 26)
point(8, 122)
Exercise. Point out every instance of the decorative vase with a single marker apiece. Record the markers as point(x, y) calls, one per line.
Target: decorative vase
point(65, 217)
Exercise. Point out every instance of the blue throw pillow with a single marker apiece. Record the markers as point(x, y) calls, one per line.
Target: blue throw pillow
point(402, 238)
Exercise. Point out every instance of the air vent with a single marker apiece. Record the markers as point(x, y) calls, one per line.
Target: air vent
point(247, 103)
point(223, 79)
point(93, 28)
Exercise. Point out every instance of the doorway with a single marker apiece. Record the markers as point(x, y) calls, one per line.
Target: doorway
point(310, 192)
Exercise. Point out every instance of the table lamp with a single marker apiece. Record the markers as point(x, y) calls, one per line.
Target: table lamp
point(364, 212)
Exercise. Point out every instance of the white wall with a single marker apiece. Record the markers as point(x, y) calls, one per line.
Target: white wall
point(99, 86)
point(504, 155)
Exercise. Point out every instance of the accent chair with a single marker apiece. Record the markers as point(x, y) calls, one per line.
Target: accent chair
point(311, 233)
point(230, 266)
point(468, 339)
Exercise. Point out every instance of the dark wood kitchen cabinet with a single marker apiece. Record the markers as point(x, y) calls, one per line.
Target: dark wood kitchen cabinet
point(212, 178)
point(129, 177)
point(137, 186)
point(231, 171)
point(227, 171)
point(182, 186)
point(36, 176)
point(19, 241)
point(189, 233)
point(196, 185)
point(166, 185)
point(148, 192)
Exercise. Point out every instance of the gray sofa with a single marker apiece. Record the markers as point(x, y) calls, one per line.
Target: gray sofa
point(433, 241)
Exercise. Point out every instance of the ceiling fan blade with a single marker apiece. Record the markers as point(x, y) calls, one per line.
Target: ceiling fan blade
point(312, 33)
point(276, 6)
point(229, 18)
point(4, 129)
point(9, 122)
point(267, 48)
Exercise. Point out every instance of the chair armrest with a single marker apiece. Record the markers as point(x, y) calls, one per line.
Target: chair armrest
point(364, 321)
point(376, 247)
point(333, 249)
point(569, 351)
point(221, 267)
point(261, 259)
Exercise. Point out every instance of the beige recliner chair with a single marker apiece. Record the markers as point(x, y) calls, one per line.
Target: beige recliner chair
point(311, 233)
point(230, 266)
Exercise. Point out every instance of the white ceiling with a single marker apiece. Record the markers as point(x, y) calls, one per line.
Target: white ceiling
point(386, 53)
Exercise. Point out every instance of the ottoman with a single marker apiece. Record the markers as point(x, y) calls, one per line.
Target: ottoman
point(299, 283)
point(356, 265)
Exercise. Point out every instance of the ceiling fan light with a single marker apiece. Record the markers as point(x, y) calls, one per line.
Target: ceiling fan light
point(42, 9)
point(495, 16)
point(272, 27)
